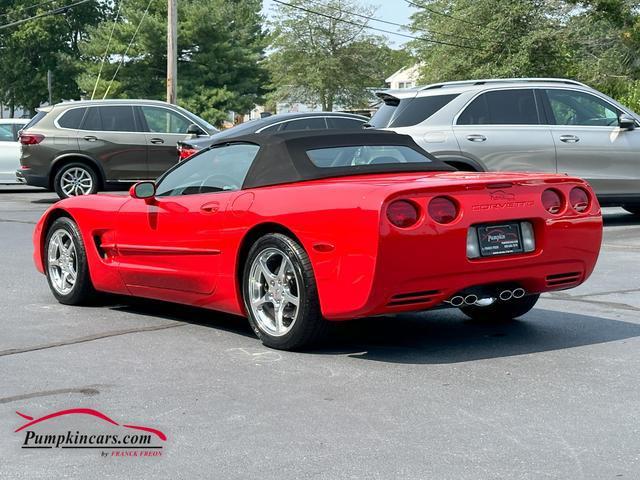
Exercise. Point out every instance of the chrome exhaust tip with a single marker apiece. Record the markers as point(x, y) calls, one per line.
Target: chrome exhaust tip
point(519, 293)
point(470, 299)
point(456, 301)
point(485, 302)
point(506, 295)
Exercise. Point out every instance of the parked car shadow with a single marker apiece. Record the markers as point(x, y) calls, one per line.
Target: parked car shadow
point(436, 337)
point(41, 201)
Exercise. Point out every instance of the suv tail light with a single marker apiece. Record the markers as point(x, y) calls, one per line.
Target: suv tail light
point(403, 213)
point(185, 152)
point(31, 138)
point(552, 201)
point(443, 209)
point(579, 200)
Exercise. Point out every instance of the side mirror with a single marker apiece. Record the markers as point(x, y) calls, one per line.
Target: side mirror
point(194, 129)
point(143, 190)
point(626, 121)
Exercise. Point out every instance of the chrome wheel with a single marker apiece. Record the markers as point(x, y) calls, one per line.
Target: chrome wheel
point(76, 181)
point(274, 292)
point(62, 261)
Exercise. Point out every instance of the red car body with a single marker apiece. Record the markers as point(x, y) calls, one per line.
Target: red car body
point(191, 249)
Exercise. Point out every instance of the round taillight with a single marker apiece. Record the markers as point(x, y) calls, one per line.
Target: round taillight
point(579, 200)
point(552, 201)
point(443, 210)
point(403, 213)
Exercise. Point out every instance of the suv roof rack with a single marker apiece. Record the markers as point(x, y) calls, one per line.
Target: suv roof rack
point(502, 80)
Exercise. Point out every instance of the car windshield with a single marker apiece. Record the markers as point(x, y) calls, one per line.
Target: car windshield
point(353, 156)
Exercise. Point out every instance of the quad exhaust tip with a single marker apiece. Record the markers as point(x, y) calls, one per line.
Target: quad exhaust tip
point(473, 299)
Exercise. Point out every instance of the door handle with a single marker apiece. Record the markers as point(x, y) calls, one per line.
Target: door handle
point(569, 138)
point(156, 140)
point(90, 138)
point(476, 138)
point(211, 207)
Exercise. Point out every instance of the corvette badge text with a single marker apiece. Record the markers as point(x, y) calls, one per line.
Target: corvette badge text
point(93, 430)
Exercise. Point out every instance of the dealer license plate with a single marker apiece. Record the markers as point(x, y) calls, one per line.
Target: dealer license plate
point(502, 239)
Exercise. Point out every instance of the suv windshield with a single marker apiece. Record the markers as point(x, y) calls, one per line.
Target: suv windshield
point(408, 111)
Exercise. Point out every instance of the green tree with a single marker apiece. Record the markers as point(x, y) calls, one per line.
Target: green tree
point(321, 56)
point(510, 38)
point(220, 55)
point(30, 49)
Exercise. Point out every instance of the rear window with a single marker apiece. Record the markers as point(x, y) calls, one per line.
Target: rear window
point(409, 111)
point(110, 119)
point(36, 118)
point(72, 118)
point(364, 155)
point(502, 107)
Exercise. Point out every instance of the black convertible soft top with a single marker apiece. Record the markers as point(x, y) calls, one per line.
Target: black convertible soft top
point(283, 158)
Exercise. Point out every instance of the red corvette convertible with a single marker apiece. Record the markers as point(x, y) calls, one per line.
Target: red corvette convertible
point(297, 229)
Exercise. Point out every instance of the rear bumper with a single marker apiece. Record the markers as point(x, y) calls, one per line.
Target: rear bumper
point(419, 272)
point(25, 176)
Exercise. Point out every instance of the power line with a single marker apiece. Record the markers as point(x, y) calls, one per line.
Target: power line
point(106, 51)
point(370, 27)
point(124, 55)
point(24, 9)
point(45, 14)
point(463, 20)
point(432, 32)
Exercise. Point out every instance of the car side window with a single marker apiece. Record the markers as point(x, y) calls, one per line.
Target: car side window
point(340, 123)
point(92, 120)
point(316, 123)
point(72, 118)
point(117, 119)
point(271, 129)
point(6, 132)
point(501, 107)
point(162, 120)
point(569, 107)
point(218, 169)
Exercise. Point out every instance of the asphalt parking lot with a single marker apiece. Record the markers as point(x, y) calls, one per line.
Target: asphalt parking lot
point(433, 395)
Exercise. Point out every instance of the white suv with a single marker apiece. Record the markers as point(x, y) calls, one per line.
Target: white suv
point(526, 124)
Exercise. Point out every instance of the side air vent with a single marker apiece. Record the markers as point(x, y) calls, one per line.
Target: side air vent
point(413, 298)
point(564, 279)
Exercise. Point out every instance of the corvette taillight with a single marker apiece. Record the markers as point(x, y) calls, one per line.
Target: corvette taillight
point(185, 152)
point(552, 201)
point(403, 213)
point(31, 138)
point(579, 200)
point(443, 209)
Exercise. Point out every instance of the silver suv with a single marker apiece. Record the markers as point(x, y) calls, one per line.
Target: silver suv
point(527, 124)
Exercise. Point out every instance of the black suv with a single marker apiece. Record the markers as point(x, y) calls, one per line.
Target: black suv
point(78, 148)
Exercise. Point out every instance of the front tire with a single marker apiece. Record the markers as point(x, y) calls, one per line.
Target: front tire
point(75, 179)
point(502, 311)
point(280, 294)
point(66, 265)
point(633, 210)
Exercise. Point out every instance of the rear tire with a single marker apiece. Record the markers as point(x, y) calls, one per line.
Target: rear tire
point(633, 210)
point(75, 179)
point(277, 276)
point(502, 311)
point(65, 264)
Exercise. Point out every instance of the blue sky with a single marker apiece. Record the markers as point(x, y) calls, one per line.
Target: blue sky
point(397, 11)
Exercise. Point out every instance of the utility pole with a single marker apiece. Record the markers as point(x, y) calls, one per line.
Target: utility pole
point(172, 51)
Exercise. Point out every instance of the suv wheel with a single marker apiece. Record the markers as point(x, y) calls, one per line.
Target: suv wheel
point(75, 179)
